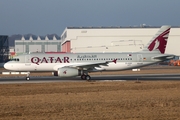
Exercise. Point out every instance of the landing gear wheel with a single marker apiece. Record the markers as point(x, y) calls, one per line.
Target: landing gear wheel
point(27, 78)
point(88, 77)
point(83, 77)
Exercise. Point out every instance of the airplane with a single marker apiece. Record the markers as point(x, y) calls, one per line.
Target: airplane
point(80, 64)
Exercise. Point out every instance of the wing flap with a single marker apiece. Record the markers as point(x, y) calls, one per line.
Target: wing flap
point(88, 66)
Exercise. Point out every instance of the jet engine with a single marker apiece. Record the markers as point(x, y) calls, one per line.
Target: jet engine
point(68, 72)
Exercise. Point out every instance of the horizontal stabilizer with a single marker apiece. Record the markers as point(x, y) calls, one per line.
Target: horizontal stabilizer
point(163, 57)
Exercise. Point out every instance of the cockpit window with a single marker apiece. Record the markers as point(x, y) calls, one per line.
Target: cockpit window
point(15, 59)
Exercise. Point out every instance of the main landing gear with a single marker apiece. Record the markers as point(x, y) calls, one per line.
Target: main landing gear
point(27, 77)
point(85, 77)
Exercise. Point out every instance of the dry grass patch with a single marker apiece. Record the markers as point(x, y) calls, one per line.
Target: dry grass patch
point(91, 100)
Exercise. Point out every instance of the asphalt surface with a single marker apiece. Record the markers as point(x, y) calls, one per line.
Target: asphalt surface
point(142, 77)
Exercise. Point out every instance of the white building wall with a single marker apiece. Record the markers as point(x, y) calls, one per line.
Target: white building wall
point(35, 48)
point(30, 45)
point(51, 48)
point(20, 48)
point(117, 40)
point(173, 46)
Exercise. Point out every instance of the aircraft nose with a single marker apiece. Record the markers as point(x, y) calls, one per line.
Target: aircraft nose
point(6, 66)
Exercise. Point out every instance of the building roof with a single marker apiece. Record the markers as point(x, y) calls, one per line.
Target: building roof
point(114, 27)
point(48, 37)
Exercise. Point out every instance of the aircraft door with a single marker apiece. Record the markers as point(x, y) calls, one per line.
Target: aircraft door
point(27, 59)
point(28, 63)
point(139, 58)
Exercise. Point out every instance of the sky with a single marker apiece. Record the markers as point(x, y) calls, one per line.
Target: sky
point(42, 17)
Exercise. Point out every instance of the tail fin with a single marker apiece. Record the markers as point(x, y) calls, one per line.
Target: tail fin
point(158, 43)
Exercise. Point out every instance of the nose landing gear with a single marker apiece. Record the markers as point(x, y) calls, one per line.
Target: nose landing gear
point(27, 77)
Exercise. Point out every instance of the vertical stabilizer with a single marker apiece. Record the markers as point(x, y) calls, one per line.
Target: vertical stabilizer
point(158, 43)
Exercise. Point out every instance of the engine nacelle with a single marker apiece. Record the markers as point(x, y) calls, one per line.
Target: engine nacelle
point(68, 72)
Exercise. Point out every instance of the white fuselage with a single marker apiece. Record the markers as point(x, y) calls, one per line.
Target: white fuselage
point(51, 62)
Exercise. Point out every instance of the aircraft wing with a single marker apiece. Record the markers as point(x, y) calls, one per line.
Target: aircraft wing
point(91, 65)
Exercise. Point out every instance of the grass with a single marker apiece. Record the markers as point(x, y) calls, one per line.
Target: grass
point(132, 100)
point(91, 100)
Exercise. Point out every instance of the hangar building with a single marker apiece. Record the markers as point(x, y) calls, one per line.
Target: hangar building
point(37, 45)
point(114, 39)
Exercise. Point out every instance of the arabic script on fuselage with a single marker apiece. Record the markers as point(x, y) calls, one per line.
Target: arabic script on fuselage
point(86, 56)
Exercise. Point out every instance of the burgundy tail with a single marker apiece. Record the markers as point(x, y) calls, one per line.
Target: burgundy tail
point(159, 41)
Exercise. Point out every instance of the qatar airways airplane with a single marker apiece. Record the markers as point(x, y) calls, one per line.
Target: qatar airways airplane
point(80, 64)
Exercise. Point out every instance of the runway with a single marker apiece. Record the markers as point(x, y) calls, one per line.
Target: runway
point(97, 78)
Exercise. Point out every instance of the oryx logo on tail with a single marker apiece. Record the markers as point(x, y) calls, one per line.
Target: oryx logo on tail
point(160, 42)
